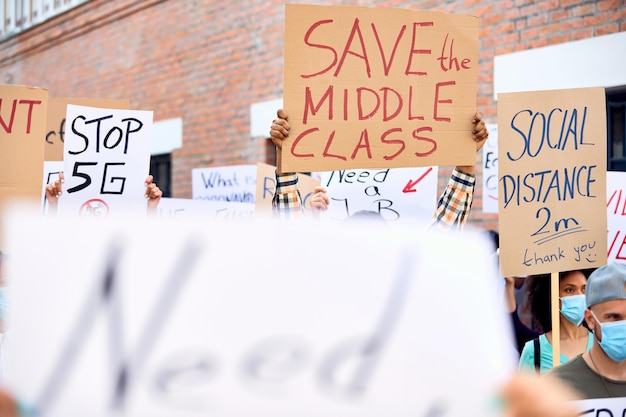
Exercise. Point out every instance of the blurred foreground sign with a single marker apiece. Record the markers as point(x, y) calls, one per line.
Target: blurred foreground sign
point(149, 317)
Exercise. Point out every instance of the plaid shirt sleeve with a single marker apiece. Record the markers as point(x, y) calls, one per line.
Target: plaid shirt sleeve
point(287, 203)
point(456, 201)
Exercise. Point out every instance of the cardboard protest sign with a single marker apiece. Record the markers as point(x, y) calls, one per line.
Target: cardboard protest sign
point(396, 194)
point(22, 125)
point(616, 215)
point(490, 171)
point(266, 184)
point(602, 407)
point(183, 208)
point(106, 161)
point(57, 108)
point(222, 319)
point(235, 183)
point(378, 88)
point(552, 180)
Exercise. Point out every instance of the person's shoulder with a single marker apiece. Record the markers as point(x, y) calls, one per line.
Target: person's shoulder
point(544, 343)
point(569, 368)
point(527, 356)
point(528, 345)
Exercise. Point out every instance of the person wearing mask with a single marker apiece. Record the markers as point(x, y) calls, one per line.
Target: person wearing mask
point(574, 338)
point(601, 371)
point(452, 208)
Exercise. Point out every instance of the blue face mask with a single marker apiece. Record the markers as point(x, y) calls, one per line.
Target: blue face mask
point(613, 339)
point(573, 308)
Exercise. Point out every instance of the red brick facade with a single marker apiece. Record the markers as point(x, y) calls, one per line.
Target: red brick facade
point(208, 61)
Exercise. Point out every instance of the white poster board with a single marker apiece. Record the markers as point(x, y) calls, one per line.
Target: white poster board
point(235, 183)
point(106, 159)
point(490, 170)
point(616, 215)
point(184, 208)
point(173, 318)
point(602, 407)
point(395, 193)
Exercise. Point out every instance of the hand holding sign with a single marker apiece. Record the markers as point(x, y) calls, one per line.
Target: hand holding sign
point(319, 201)
point(480, 134)
point(54, 190)
point(279, 132)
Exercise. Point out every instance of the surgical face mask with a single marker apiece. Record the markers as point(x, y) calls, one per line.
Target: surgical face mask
point(613, 339)
point(573, 308)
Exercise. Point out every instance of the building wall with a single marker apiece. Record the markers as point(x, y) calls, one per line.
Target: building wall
point(208, 61)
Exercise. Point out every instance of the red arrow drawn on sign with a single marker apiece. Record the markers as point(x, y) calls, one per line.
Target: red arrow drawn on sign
point(408, 188)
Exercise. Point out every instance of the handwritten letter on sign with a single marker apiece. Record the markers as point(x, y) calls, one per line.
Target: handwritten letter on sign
point(22, 121)
point(234, 183)
point(106, 161)
point(378, 88)
point(57, 108)
point(616, 213)
point(552, 180)
point(395, 194)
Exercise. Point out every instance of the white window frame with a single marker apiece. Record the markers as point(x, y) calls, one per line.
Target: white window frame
point(19, 15)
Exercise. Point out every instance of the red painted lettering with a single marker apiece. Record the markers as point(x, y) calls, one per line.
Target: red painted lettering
point(411, 116)
point(316, 45)
point(356, 30)
point(328, 143)
point(400, 142)
point(364, 143)
point(297, 141)
point(438, 101)
point(447, 62)
point(621, 246)
point(415, 50)
point(8, 127)
point(387, 65)
point(360, 101)
point(386, 115)
point(308, 104)
point(619, 202)
point(416, 135)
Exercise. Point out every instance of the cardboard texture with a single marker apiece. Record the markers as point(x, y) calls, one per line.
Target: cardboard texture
point(552, 180)
point(378, 88)
point(22, 125)
point(266, 184)
point(57, 109)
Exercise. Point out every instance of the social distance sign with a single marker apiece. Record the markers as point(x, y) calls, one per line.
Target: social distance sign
point(378, 88)
point(552, 180)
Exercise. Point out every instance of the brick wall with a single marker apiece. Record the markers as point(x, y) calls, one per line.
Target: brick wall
point(208, 61)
